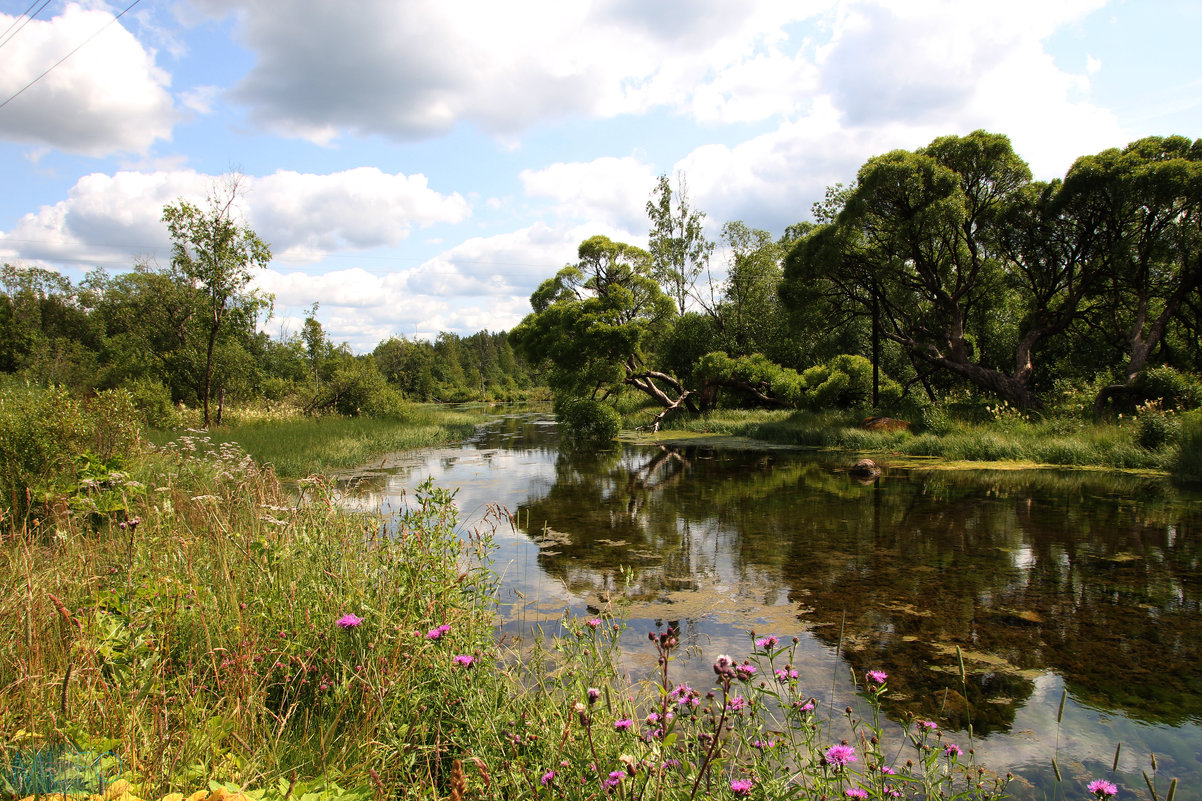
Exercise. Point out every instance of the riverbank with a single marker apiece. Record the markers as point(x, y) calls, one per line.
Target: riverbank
point(297, 446)
point(1161, 447)
point(190, 623)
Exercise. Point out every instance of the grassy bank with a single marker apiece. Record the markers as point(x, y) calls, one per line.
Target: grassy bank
point(296, 445)
point(1124, 444)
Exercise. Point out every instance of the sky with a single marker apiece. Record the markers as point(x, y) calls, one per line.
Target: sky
point(420, 166)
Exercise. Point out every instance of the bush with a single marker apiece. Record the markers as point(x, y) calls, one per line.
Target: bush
point(153, 402)
point(1157, 428)
point(1173, 389)
point(584, 420)
point(40, 433)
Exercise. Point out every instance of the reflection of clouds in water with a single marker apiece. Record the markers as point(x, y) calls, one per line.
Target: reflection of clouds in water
point(724, 544)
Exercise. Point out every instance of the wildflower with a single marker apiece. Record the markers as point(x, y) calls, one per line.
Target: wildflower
point(766, 643)
point(615, 778)
point(724, 665)
point(1102, 788)
point(877, 676)
point(349, 621)
point(464, 660)
point(952, 750)
point(763, 744)
point(623, 724)
point(856, 792)
point(593, 695)
point(437, 632)
point(746, 672)
point(737, 704)
point(784, 675)
point(547, 778)
point(593, 623)
point(929, 725)
point(741, 787)
point(841, 755)
point(888, 771)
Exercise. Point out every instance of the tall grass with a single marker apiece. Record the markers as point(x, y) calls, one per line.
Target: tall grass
point(303, 446)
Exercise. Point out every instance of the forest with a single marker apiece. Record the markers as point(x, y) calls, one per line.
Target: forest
point(933, 275)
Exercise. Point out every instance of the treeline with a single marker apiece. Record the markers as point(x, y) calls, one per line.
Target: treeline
point(938, 273)
point(148, 330)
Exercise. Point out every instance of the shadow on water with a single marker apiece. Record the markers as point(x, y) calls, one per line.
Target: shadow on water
point(1046, 581)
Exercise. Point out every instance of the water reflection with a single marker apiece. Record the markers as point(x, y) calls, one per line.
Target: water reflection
point(1045, 581)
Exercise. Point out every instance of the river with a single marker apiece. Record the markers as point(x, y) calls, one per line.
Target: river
point(1051, 583)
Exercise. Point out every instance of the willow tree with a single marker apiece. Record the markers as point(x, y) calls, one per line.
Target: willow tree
point(214, 253)
point(591, 322)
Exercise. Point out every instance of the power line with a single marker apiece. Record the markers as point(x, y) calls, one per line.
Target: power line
point(73, 52)
point(24, 19)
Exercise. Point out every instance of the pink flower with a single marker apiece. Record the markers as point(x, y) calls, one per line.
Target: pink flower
point(877, 676)
point(464, 660)
point(856, 792)
point(547, 778)
point(623, 724)
point(746, 672)
point(593, 695)
point(1102, 788)
point(436, 633)
point(952, 750)
point(349, 621)
point(741, 787)
point(841, 755)
point(766, 643)
point(593, 623)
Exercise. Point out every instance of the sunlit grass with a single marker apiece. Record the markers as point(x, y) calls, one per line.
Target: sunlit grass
point(301, 446)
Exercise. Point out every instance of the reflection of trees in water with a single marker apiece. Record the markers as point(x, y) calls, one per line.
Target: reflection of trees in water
point(1023, 572)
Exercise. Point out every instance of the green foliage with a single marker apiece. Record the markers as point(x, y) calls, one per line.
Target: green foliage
point(1187, 461)
point(1172, 388)
point(355, 387)
point(153, 402)
point(42, 433)
point(1156, 429)
point(587, 421)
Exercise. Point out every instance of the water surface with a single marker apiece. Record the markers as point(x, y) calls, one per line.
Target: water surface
point(1049, 582)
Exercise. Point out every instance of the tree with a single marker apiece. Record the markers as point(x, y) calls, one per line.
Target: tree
point(316, 345)
point(919, 247)
point(215, 254)
point(590, 322)
point(679, 249)
point(1147, 206)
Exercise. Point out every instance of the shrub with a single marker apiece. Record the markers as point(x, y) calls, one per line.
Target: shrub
point(1157, 428)
point(41, 430)
point(153, 402)
point(584, 420)
point(1174, 390)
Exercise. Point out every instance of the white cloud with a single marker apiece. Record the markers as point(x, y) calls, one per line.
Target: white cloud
point(107, 97)
point(304, 217)
point(609, 190)
point(483, 283)
point(416, 69)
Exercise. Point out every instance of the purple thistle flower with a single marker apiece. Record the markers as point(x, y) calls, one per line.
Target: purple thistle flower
point(593, 695)
point(930, 725)
point(746, 672)
point(464, 660)
point(841, 755)
point(763, 744)
point(737, 704)
point(856, 792)
point(766, 643)
point(952, 750)
point(437, 632)
point(547, 778)
point(741, 787)
point(1102, 788)
point(349, 621)
point(593, 623)
point(623, 724)
point(877, 676)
